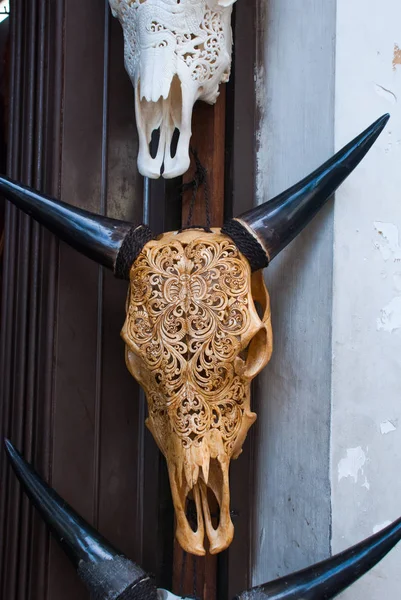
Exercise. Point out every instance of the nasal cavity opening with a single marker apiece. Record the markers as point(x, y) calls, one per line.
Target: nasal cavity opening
point(214, 508)
point(174, 142)
point(191, 513)
point(154, 142)
point(175, 115)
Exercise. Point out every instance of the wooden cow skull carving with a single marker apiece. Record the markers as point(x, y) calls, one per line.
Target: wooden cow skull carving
point(194, 342)
point(194, 338)
point(176, 52)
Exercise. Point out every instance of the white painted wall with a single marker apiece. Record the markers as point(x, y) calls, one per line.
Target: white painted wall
point(295, 79)
point(366, 329)
point(329, 403)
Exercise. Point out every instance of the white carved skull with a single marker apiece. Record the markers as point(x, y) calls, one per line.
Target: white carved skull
point(194, 341)
point(176, 52)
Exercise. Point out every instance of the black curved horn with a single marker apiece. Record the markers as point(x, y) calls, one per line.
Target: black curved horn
point(106, 572)
point(100, 238)
point(274, 224)
point(329, 578)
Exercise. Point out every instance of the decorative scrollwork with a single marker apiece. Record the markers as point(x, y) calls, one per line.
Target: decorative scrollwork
point(187, 317)
point(197, 32)
point(194, 342)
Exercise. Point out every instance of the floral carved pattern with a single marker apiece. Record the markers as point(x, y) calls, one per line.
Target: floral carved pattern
point(198, 34)
point(187, 312)
point(194, 341)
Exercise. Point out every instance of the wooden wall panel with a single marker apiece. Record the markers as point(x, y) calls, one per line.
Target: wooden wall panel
point(67, 400)
point(28, 291)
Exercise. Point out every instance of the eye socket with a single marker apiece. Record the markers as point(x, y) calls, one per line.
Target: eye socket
point(212, 501)
point(154, 142)
point(174, 142)
point(191, 513)
point(259, 309)
point(256, 353)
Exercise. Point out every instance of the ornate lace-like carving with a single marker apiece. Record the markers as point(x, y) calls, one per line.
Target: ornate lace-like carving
point(188, 310)
point(194, 341)
point(195, 32)
point(176, 52)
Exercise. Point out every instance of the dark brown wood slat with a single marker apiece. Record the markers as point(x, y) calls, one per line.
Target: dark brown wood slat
point(4, 108)
point(51, 104)
point(65, 426)
point(8, 280)
point(208, 139)
point(25, 107)
point(75, 426)
point(33, 156)
point(18, 523)
point(118, 518)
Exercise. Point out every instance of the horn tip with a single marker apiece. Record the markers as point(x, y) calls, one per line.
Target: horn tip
point(383, 120)
point(12, 453)
point(8, 446)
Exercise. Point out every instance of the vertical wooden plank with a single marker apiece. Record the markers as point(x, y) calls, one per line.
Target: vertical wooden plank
point(208, 139)
point(8, 494)
point(4, 94)
point(74, 423)
point(118, 490)
point(198, 575)
point(26, 406)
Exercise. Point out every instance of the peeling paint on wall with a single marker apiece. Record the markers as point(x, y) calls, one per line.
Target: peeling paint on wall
point(366, 484)
point(366, 375)
point(259, 78)
point(397, 281)
point(390, 316)
point(381, 526)
point(396, 57)
point(389, 239)
point(387, 427)
point(352, 465)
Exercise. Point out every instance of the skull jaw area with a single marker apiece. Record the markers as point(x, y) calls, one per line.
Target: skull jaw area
point(190, 532)
point(192, 541)
point(197, 475)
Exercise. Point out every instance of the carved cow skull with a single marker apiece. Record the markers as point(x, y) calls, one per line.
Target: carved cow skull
point(194, 338)
point(108, 574)
point(194, 342)
point(176, 52)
